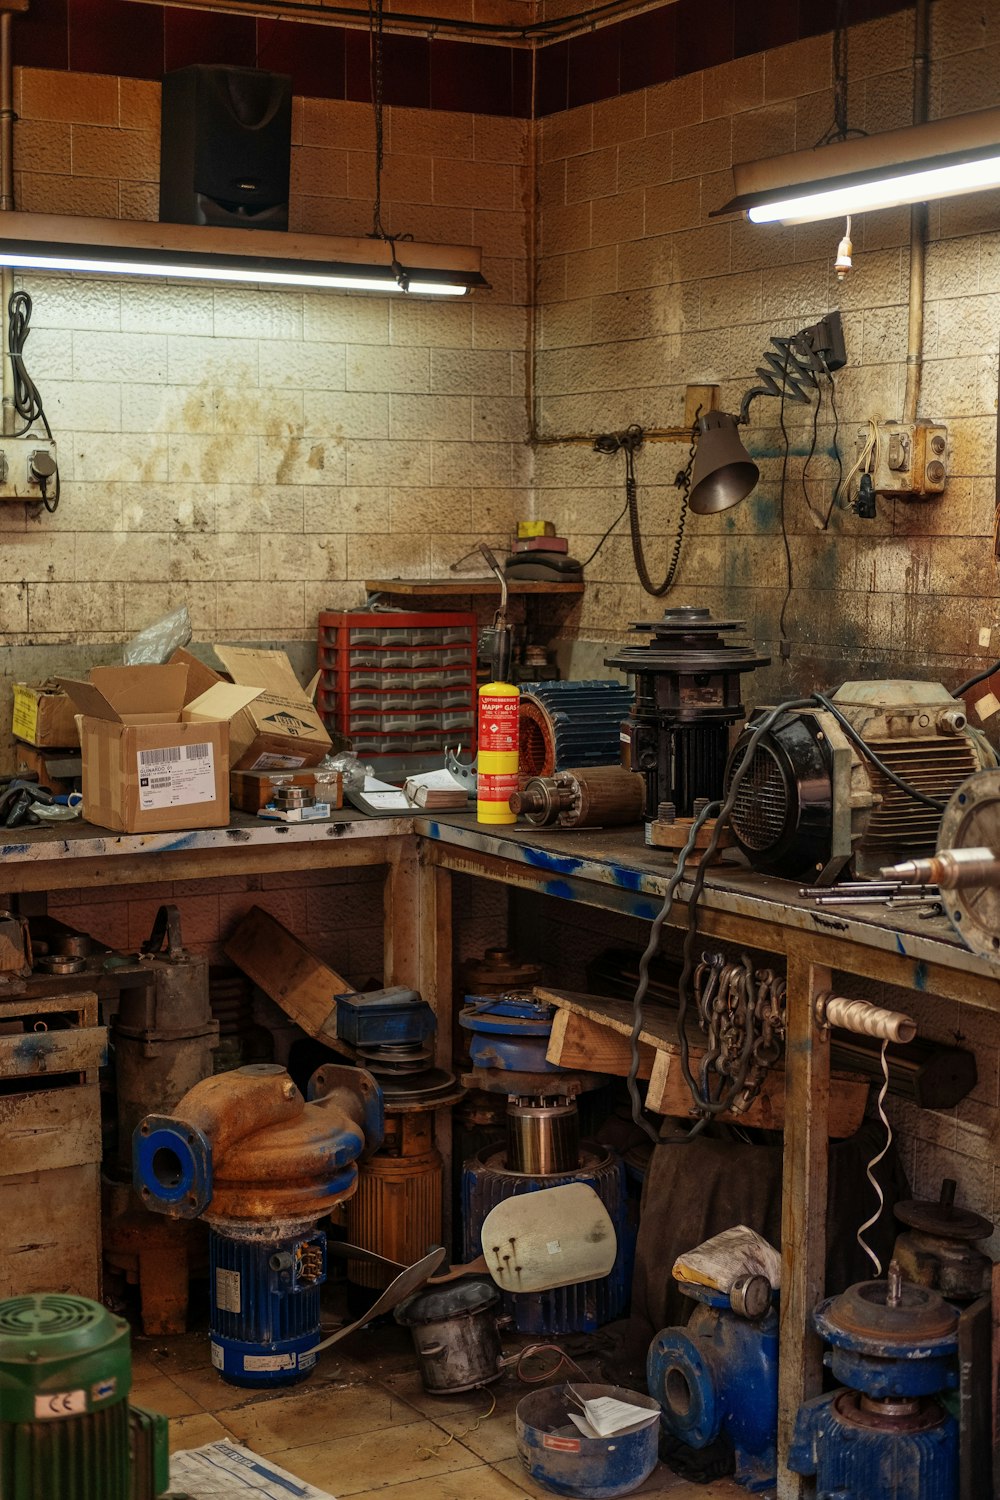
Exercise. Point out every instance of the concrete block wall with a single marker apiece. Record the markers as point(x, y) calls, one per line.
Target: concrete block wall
point(641, 291)
point(258, 453)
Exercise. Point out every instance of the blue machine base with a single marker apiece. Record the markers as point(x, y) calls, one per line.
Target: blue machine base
point(265, 1319)
point(855, 1461)
point(258, 1366)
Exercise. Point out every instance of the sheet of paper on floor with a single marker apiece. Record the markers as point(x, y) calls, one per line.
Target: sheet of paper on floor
point(227, 1471)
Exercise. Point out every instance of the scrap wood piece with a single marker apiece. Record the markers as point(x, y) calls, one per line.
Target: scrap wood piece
point(289, 973)
point(591, 1033)
point(669, 1094)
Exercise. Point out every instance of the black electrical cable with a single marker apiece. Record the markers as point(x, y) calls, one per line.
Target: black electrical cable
point(26, 397)
point(630, 441)
point(722, 813)
point(604, 538)
point(869, 754)
point(836, 443)
point(975, 681)
point(781, 504)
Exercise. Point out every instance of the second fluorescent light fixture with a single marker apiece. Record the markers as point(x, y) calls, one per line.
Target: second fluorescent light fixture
point(64, 243)
point(941, 159)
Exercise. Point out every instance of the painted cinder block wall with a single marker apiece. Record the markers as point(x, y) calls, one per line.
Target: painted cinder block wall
point(640, 292)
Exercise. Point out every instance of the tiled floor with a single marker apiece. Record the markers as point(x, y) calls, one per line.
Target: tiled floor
point(362, 1425)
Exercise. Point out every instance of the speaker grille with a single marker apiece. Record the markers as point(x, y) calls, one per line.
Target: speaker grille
point(760, 811)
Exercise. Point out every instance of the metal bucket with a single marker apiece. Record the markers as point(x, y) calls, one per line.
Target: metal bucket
point(559, 1457)
point(454, 1331)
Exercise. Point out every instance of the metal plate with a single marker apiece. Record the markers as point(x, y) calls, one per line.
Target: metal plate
point(971, 820)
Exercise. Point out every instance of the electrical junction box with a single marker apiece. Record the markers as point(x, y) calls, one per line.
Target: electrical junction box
point(25, 462)
point(910, 460)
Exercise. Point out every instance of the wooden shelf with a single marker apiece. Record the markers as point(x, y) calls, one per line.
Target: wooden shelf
point(466, 586)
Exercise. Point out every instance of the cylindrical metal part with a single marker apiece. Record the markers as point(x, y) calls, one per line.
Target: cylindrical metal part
point(865, 1019)
point(543, 1136)
point(952, 869)
point(570, 724)
point(396, 1210)
point(455, 1336)
point(593, 797)
point(164, 1036)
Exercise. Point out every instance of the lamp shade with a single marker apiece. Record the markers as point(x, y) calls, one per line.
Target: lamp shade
point(723, 473)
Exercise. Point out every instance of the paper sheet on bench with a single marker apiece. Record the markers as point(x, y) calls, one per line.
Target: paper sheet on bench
point(227, 1471)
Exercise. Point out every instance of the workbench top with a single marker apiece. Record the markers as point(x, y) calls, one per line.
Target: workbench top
point(612, 868)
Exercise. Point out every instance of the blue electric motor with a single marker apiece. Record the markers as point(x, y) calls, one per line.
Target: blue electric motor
point(719, 1376)
point(884, 1432)
point(487, 1180)
point(262, 1165)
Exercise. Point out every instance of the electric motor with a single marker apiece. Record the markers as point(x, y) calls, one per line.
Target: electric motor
point(67, 1431)
point(687, 694)
point(812, 803)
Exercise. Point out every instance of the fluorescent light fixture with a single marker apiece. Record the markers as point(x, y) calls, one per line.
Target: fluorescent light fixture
point(63, 243)
point(941, 159)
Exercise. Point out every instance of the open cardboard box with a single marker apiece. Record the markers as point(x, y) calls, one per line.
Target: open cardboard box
point(278, 728)
point(155, 757)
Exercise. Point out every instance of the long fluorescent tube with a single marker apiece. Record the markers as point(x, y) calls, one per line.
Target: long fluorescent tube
point(942, 159)
point(193, 252)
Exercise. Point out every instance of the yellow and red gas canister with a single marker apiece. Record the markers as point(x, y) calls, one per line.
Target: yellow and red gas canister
point(498, 737)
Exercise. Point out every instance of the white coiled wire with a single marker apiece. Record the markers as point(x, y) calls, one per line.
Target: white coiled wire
point(874, 1163)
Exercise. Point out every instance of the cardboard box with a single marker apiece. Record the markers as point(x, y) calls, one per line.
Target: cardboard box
point(152, 760)
point(252, 790)
point(44, 716)
point(279, 728)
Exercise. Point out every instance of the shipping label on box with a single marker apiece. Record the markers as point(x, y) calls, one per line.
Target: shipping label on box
point(176, 776)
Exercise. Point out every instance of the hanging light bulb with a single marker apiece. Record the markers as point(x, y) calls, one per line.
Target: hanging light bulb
point(845, 250)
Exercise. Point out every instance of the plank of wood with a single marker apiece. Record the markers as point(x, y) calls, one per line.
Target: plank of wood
point(580, 1043)
point(805, 1168)
point(288, 972)
point(78, 1009)
point(50, 1232)
point(591, 1033)
point(669, 1095)
point(46, 1129)
point(659, 1025)
point(81, 1050)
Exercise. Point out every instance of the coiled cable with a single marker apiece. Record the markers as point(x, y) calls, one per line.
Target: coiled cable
point(26, 397)
point(870, 1169)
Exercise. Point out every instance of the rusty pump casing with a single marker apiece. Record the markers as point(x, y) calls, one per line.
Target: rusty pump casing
point(261, 1165)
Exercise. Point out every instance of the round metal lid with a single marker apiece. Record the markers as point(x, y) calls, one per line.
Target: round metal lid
point(687, 640)
point(863, 1316)
point(943, 1220)
point(457, 1299)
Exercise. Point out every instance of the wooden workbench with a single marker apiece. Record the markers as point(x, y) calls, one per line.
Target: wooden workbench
point(609, 870)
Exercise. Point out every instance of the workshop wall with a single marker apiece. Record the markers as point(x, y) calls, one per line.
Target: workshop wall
point(257, 453)
point(641, 292)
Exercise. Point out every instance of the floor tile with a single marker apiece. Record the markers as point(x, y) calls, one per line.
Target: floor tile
point(482, 1483)
point(194, 1431)
point(409, 1385)
point(310, 1416)
point(215, 1394)
point(159, 1393)
point(347, 1465)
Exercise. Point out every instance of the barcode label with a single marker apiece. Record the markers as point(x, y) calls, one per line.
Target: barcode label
point(150, 758)
point(176, 775)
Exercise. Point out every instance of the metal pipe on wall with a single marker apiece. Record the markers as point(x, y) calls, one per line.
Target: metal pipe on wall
point(6, 200)
point(918, 221)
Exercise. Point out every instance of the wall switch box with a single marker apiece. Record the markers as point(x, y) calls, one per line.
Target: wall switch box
point(910, 460)
point(27, 467)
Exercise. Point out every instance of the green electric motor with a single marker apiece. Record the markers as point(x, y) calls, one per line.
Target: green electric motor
point(67, 1431)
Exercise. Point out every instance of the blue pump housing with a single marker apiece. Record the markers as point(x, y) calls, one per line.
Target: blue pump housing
point(884, 1433)
point(265, 1317)
point(719, 1375)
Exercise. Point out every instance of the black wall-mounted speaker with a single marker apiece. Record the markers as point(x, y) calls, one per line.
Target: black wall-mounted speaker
point(225, 147)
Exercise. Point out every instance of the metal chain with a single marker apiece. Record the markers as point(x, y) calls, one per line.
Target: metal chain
point(376, 38)
point(742, 1013)
point(839, 130)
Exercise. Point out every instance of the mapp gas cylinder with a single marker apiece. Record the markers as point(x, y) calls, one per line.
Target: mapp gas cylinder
point(498, 736)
